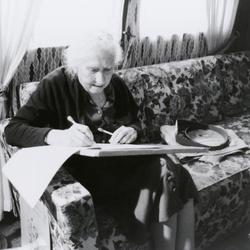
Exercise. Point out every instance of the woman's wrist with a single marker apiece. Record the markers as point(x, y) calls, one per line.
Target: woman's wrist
point(52, 137)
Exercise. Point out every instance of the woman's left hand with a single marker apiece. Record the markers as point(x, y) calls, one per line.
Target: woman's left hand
point(124, 135)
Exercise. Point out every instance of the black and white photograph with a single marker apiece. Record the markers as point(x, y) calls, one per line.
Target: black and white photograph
point(125, 124)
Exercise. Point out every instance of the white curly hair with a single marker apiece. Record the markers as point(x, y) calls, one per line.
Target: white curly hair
point(81, 50)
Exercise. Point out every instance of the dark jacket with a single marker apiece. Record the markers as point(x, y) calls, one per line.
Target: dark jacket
point(57, 97)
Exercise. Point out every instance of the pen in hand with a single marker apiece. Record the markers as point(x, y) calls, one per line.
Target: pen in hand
point(104, 131)
point(89, 135)
point(70, 119)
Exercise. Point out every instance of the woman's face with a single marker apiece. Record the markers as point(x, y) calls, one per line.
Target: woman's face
point(95, 74)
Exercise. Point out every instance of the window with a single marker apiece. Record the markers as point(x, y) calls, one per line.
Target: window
point(62, 21)
point(214, 18)
point(168, 17)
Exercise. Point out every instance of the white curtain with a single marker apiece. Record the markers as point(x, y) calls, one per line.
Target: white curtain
point(221, 16)
point(17, 21)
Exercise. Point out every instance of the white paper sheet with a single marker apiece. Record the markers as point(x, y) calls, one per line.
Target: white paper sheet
point(30, 170)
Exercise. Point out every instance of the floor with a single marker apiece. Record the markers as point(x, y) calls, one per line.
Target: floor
point(10, 228)
point(239, 240)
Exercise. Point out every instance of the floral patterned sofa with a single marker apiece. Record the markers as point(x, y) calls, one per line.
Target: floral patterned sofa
point(212, 89)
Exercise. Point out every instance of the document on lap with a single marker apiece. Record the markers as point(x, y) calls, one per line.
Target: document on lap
point(30, 170)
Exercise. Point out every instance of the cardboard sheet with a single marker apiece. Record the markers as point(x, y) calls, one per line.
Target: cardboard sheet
point(30, 170)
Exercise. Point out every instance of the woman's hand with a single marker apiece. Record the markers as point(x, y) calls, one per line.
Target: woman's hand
point(124, 135)
point(77, 135)
point(168, 133)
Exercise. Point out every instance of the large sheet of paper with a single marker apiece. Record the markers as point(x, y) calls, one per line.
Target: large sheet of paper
point(30, 170)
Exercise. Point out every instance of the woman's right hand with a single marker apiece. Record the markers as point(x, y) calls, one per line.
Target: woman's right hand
point(77, 135)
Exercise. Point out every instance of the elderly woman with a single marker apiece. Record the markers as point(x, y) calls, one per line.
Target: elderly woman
point(149, 196)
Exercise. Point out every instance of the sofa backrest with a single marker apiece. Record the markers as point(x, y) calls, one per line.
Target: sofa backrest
point(203, 89)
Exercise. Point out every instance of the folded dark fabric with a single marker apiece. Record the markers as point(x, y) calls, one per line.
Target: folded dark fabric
point(236, 145)
point(190, 133)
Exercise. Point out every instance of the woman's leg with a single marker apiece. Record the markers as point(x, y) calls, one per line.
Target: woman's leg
point(164, 234)
point(185, 227)
point(3, 242)
point(178, 232)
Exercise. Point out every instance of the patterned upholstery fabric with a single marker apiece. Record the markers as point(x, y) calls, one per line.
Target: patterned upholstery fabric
point(234, 77)
point(205, 89)
point(72, 218)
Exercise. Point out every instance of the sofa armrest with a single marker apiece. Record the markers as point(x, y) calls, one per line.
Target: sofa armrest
point(6, 149)
point(71, 210)
point(70, 206)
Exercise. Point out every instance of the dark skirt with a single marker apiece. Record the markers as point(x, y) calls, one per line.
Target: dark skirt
point(135, 190)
